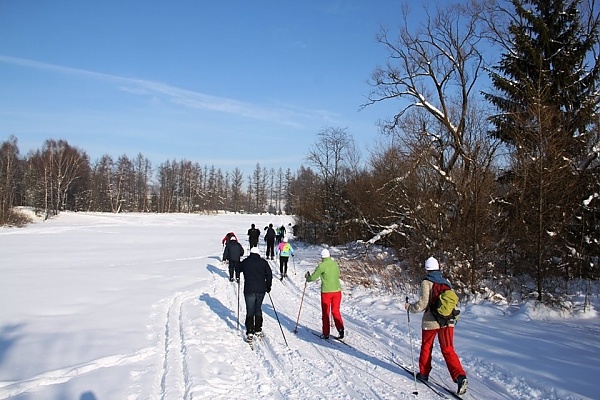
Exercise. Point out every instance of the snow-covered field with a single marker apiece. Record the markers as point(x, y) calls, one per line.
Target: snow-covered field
point(138, 306)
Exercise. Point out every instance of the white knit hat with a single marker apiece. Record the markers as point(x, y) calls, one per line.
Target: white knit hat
point(431, 264)
point(325, 253)
point(254, 250)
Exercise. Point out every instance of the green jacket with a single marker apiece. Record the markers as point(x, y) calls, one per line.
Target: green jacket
point(329, 272)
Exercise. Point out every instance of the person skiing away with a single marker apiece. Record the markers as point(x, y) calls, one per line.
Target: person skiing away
point(233, 253)
point(285, 250)
point(258, 279)
point(227, 237)
point(253, 236)
point(282, 230)
point(270, 239)
point(331, 292)
point(431, 328)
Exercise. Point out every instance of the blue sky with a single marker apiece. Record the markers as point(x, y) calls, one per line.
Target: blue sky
point(224, 83)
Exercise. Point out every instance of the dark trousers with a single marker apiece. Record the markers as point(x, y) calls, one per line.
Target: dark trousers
point(253, 242)
point(234, 267)
point(270, 248)
point(254, 319)
point(283, 262)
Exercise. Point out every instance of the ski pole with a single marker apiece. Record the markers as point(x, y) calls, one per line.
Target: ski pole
point(238, 315)
point(301, 301)
point(411, 351)
point(284, 339)
point(294, 262)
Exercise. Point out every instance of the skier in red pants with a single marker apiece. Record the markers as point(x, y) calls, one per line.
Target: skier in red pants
point(430, 328)
point(331, 293)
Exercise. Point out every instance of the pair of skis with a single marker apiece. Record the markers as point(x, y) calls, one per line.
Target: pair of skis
point(336, 338)
point(251, 340)
point(434, 386)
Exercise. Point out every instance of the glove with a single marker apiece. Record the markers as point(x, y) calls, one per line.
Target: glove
point(268, 289)
point(307, 275)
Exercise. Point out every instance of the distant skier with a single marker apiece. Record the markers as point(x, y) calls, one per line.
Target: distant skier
point(331, 292)
point(258, 279)
point(285, 250)
point(430, 328)
point(233, 253)
point(270, 239)
point(280, 233)
point(253, 236)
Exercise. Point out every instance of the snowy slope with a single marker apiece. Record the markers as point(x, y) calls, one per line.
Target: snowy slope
point(101, 306)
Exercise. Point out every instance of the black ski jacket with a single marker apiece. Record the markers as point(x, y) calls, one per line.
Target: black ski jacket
point(257, 274)
point(233, 251)
point(270, 236)
point(253, 234)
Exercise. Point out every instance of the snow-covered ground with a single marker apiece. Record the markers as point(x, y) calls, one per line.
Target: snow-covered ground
point(138, 306)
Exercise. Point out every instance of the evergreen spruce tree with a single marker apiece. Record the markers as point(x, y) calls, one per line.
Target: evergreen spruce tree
point(551, 47)
point(546, 92)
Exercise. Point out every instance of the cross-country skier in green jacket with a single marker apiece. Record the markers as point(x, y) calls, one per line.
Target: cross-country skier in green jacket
point(331, 292)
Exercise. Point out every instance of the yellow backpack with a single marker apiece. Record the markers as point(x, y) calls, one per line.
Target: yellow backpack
point(443, 303)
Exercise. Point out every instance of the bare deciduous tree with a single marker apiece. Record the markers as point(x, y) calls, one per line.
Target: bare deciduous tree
point(10, 178)
point(332, 155)
point(58, 165)
point(441, 164)
point(434, 69)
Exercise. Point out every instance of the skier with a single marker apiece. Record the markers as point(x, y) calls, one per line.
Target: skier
point(253, 235)
point(270, 239)
point(257, 281)
point(233, 252)
point(282, 230)
point(285, 250)
point(331, 292)
point(430, 328)
point(227, 237)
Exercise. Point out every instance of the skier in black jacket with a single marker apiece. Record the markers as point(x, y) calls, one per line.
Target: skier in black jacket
point(270, 239)
point(257, 281)
point(233, 253)
point(253, 235)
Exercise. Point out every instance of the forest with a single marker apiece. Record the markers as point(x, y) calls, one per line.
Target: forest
point(500, 181)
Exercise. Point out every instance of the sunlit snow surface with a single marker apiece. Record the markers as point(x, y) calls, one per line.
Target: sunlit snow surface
point(138, 306)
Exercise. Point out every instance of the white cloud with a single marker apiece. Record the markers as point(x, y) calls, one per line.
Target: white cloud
point(288, 116)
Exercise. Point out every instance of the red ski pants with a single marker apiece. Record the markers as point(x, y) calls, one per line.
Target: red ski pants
point(331, 302)
point(446, 339)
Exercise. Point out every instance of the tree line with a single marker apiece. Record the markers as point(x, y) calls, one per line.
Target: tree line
point(500, 181)
point(60, 177)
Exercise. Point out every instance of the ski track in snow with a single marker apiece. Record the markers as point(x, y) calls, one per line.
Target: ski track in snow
point(12, 389)
point(278, 371)
point(192, 365)
point(190, 361)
